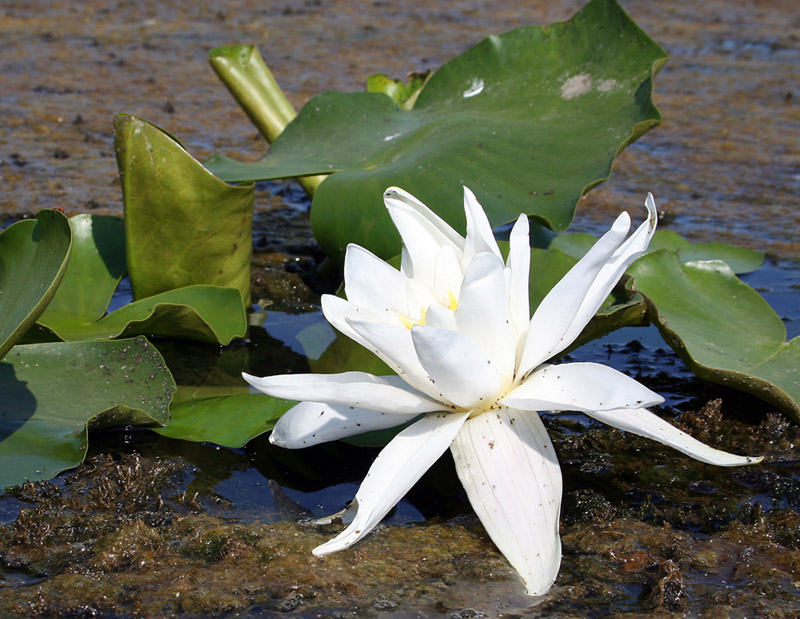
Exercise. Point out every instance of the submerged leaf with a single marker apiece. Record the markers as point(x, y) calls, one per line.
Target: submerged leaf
point(497, 118)
point(723, 330)
point(230, 420)
point(52, 392)
point(33, 260)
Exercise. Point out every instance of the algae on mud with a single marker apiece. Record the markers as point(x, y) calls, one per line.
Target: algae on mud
point(145, 532)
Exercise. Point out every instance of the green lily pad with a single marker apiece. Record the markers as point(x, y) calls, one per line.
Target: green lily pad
point(33, 260)
point(53, 392)
point(203, 313)
point(96, 266)
point(230, 421)
point(529, 120)
point(741, 260)
point(723, 330)
point(183, 225)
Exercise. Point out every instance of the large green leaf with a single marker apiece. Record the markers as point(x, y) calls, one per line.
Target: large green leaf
point(51, 392)
point(529, 120)
point(183, 225)
point(33, 259)
point(723, 330)
point(741, 260)
point(96, 265)
point(230, 421)
point(203, 313)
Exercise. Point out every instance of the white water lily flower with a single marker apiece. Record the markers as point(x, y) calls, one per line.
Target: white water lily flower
point(454, 324)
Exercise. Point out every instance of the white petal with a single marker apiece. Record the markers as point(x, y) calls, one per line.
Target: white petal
point(398, 467)
point(570, 305)
point(518, 267)
point(339, 312)
point(555, 314)
point(389, 394)
point(579, 387)
point(644, 423)
point(508, 467)
point(374, 285)
point(423, 233)
point(609, 275)
point(448, 274)
point(457, 368)
point(393, 345)
point(311, 423)
point(480, 237)
point(483, 316)
point(441, 318)
point(420, 297)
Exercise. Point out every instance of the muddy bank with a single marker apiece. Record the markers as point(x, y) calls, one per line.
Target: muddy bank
point(149, 531)
point(725, 164)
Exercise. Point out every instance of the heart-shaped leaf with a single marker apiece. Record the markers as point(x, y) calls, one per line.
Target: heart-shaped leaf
point(183, 225)
point(723, 330)
point(52, 392)
point(203, 313)
point(33, 259)
point(529, 120)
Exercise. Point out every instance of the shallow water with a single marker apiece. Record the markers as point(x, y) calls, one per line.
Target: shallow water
point(151, 526)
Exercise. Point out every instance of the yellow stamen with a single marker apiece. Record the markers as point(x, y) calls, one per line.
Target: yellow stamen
point(453, 301)
point(407, 322)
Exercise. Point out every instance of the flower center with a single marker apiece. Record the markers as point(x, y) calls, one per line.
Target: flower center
point(408, 321)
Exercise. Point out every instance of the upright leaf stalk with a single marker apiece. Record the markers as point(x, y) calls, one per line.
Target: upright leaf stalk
point(245, 74)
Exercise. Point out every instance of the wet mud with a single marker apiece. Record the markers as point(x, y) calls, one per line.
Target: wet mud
point(143, 529)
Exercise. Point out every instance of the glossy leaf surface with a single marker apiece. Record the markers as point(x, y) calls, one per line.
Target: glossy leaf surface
point(53, 392)
point(203, 313)
point(96, 265)
point(529, 120)
point(183, 225)
point(723, 330)
point(33, 260)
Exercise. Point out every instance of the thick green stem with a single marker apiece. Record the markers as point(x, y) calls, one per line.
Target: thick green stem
point(249, 80)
